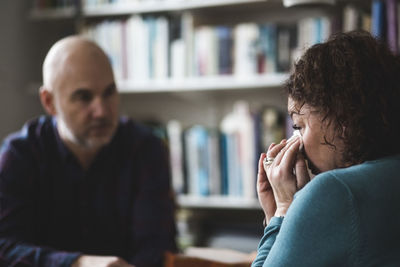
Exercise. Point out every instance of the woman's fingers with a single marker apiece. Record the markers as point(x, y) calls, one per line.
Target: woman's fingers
point(274, 149)
point(282, 152)
point(261, 171)
point(289, 154)
point(302, 175)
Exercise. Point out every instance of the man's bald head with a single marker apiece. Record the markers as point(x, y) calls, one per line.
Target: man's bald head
point(68, 53)
point(79, 90)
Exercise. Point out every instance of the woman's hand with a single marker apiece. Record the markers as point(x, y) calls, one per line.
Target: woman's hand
point(264, 190)
point(287, 173)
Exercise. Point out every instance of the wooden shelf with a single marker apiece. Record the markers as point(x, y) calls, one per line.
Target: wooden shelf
point(53, 13)
point(217, 202)
point(158, 6)
point(214, 83)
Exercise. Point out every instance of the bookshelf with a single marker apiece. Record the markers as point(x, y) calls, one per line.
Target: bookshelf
point(203, 84)
point(217, 202)
point(196, 95)
point(127, 8)
point(69, 12)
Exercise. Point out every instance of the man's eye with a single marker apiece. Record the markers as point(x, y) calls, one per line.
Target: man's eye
point(83, 96)
point(110, 91)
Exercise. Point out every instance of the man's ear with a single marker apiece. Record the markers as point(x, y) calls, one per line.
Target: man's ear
point(47, 99)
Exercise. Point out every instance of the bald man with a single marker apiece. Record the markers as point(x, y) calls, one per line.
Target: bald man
point(82, 186)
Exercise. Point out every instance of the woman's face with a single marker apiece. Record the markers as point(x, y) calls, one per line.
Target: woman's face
point(321, 156)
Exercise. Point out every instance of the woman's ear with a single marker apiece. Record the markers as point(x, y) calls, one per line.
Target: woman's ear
point(47, 100)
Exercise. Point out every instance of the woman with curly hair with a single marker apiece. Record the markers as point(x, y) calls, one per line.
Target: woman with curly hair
point(344, 98)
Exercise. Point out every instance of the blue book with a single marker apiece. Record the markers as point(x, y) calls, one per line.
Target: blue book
point(224, 36)
point(224, 164)
point(151, 24)
point(203, 171)
point(378, 19)
point(267, 60)
point(318, 30)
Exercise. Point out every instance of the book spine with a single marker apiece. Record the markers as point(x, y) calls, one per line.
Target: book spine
point(392, 24)
point(378, 21)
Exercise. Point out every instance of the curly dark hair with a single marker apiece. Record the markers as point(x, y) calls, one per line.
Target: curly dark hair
point(354, 81)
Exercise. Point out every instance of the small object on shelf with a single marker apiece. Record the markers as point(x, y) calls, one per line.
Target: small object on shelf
point(289, 3)
point(69, 12)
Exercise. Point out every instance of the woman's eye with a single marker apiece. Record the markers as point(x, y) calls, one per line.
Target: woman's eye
point(296, 127)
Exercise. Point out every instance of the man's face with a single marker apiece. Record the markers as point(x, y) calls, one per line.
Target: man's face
point(86, 102)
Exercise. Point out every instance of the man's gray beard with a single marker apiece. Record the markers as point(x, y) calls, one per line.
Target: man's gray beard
point(66, 133)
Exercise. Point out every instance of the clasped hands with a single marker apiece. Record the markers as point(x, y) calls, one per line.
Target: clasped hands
point(281, 176)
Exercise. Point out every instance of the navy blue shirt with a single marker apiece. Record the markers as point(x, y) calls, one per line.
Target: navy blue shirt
point(52, 211)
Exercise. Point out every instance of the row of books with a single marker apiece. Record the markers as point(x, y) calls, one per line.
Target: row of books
point(42, 4)
point(382, 21)
point(223, 161)
point(90, 3)
point(145, 48)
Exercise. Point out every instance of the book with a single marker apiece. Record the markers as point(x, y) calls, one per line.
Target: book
point(238, 129)
point(225, 45)
point(176, 56)
point(398, 25)
point(378, 19)
point(138, 49)
point(174, 132)
point(196, 145)
point(284, 44)
point(245, 49)
point(205, 51)
point(161, 49)
point(392, 25)
point(187, 26)
point(272, 127)
point(267, 62)
point(214, 167)
point(351, 18)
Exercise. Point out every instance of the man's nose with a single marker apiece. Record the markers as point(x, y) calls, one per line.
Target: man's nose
point(98, 108)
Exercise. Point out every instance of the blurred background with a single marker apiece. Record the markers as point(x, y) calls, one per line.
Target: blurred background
point(206, 75)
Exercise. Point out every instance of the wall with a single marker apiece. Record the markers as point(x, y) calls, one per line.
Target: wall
point(23, 45)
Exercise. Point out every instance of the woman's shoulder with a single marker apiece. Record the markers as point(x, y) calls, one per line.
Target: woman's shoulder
point(374, 170)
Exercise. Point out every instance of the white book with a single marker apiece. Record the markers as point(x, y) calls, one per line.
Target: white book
point(115, 46)
point(174, 131)
point(326, 28)
point(206, 61)
point(245, 58)
point(160, 52)
point(246, 147)
point(188, 38)
point(178, 59)
point(191, 159)
point(137, 49)
point(350, 18)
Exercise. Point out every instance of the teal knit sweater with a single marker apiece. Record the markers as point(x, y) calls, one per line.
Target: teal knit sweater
point(343, 217)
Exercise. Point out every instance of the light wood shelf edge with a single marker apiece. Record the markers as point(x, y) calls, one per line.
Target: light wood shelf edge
point(217, 202)
point(212, 83)
point(158, 6)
